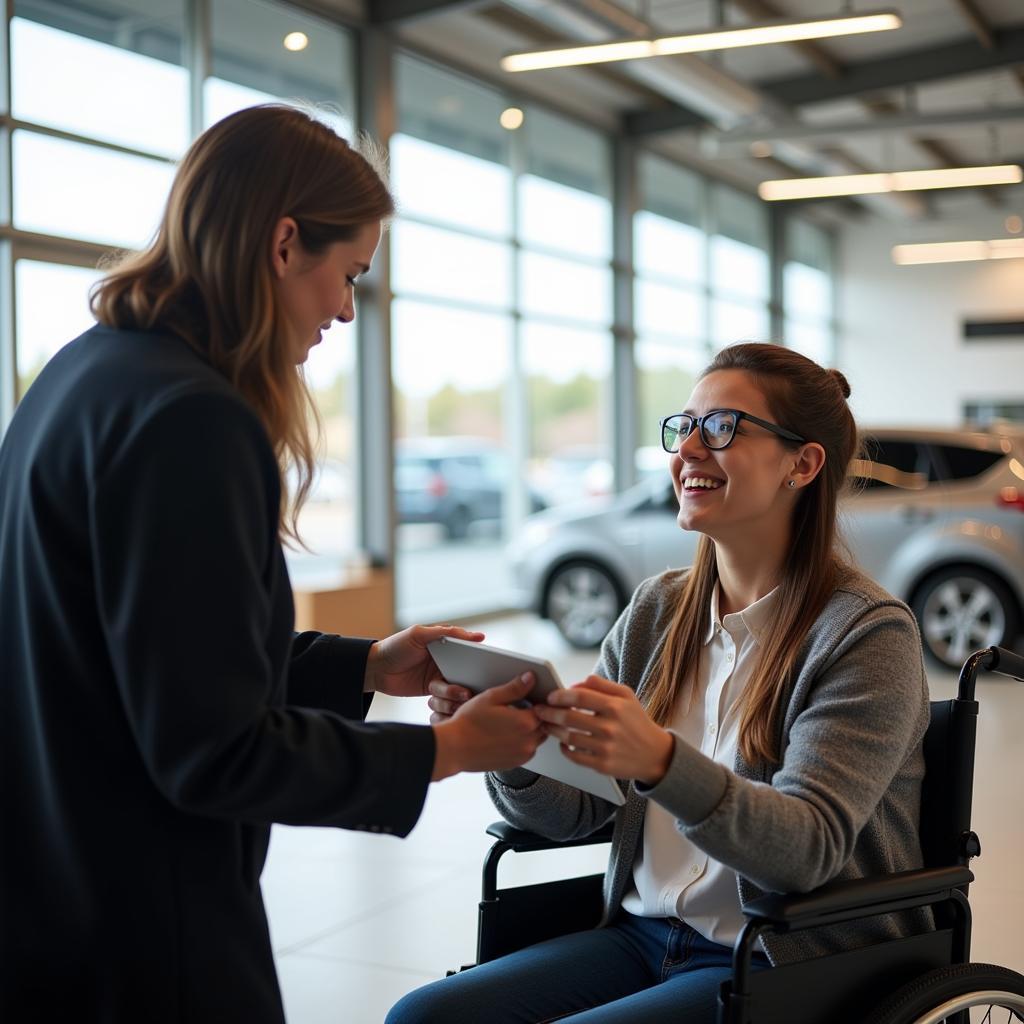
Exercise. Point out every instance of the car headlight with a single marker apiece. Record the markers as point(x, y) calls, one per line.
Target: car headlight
point(534, 535)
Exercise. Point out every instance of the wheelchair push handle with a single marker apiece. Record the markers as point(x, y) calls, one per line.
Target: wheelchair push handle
point(992, 659)
point(1007, 663)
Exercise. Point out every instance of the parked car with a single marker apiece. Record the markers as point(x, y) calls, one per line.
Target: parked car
point(451, 481)
point(572, 473)
point(580, 472)
point(937, 518)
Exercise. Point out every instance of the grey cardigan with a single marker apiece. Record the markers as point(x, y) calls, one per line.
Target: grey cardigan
point(843, 803)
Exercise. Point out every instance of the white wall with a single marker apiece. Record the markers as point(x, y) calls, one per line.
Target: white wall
point(900, 328)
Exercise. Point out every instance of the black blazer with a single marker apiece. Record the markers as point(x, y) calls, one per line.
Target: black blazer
point(157, 712)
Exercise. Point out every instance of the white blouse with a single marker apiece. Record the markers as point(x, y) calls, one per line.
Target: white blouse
point(671, 876)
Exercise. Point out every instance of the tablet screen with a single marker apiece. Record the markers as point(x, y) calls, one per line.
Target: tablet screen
point(478, 667)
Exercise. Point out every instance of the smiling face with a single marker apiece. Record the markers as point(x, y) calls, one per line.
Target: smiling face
point(314, 290)
point(742, 490)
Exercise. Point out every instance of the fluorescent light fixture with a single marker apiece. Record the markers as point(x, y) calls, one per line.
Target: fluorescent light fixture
point(890, 181)
point(697, 42)
point(958, 252)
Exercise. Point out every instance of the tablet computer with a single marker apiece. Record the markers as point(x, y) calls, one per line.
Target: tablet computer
point(478, 667)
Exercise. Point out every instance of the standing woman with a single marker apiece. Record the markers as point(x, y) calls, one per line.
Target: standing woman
point(768, 705)
point(157, 712)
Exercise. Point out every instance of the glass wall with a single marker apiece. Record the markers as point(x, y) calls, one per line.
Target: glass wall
point(501, 322)
point(565, 302)
point(68, 71)
point(739, 278)
point(251, 63)
point(453, 281)
point(671, 309)
point(52, 307)
point(111, 80)
point(702, 280)
point(807, 291)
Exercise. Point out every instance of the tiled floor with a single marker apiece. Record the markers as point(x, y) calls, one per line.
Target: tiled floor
point(357, 920)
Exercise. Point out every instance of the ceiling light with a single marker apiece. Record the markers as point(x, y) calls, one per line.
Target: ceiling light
point(710, 39)
point(889, 181)
point(1014, 224)
point(295, 41)
point(511, 118)
point(957, 252)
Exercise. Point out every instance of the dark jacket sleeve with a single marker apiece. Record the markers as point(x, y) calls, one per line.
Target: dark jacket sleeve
point(183, 527)
point(327, 671)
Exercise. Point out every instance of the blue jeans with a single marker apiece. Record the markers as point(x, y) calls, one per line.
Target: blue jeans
point(651, 969)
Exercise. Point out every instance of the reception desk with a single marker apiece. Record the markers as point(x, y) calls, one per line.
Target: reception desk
point(360, 603)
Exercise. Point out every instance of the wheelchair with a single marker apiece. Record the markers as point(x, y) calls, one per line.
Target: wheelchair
point(921, 979)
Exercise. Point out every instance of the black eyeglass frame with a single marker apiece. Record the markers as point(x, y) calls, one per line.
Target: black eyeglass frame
point(739, 415)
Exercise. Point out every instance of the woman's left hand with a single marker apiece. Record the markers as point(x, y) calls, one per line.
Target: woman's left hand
point(603, 725)
point(401, 665)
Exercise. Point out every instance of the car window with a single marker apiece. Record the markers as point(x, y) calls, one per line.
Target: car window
point(494, 468)
point(962, 463)
point(659, 501)
point(463, 470)
point(893, 463)
point(412, 474)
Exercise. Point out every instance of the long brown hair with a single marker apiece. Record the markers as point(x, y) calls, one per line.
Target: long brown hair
point(811, 401)
point(207, 276)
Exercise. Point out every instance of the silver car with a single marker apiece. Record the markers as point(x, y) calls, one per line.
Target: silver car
point(937, 517)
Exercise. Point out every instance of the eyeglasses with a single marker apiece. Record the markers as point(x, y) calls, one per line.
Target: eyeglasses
point(717, 428)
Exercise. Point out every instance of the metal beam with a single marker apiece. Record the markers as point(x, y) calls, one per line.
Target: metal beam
point(657, 120)
point(198, 60)
point(375, 509)
point(907, 123)
point(386, 12)
point(979, 26)
point(941, 153)
point(960, 57)
point(8, 357)
point(814, 52)
point(624, 420)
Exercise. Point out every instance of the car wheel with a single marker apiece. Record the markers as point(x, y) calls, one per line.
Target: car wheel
point(963, 609)
point(457, 523)
point(583, 600)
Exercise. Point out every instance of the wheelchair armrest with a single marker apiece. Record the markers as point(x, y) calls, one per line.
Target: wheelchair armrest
point(520, 841)
point(858, 898)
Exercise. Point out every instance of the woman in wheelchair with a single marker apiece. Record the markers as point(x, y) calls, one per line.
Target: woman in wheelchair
point(766, 705)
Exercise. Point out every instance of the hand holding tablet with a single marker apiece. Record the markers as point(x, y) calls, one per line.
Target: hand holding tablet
point(480, 667)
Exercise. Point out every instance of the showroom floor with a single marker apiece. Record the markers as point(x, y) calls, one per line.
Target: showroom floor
point(357, 920)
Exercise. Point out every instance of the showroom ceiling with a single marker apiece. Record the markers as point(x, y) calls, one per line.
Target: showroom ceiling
point(945, 90)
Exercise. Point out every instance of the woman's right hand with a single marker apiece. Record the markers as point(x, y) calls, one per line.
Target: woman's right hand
point(487, 732)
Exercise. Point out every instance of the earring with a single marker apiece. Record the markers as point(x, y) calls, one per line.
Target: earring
point(792, 483)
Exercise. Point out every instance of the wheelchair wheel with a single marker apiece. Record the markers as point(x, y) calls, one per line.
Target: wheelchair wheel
point(943, 994)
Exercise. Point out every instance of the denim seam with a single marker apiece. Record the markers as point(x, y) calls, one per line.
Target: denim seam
point(687, 952)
